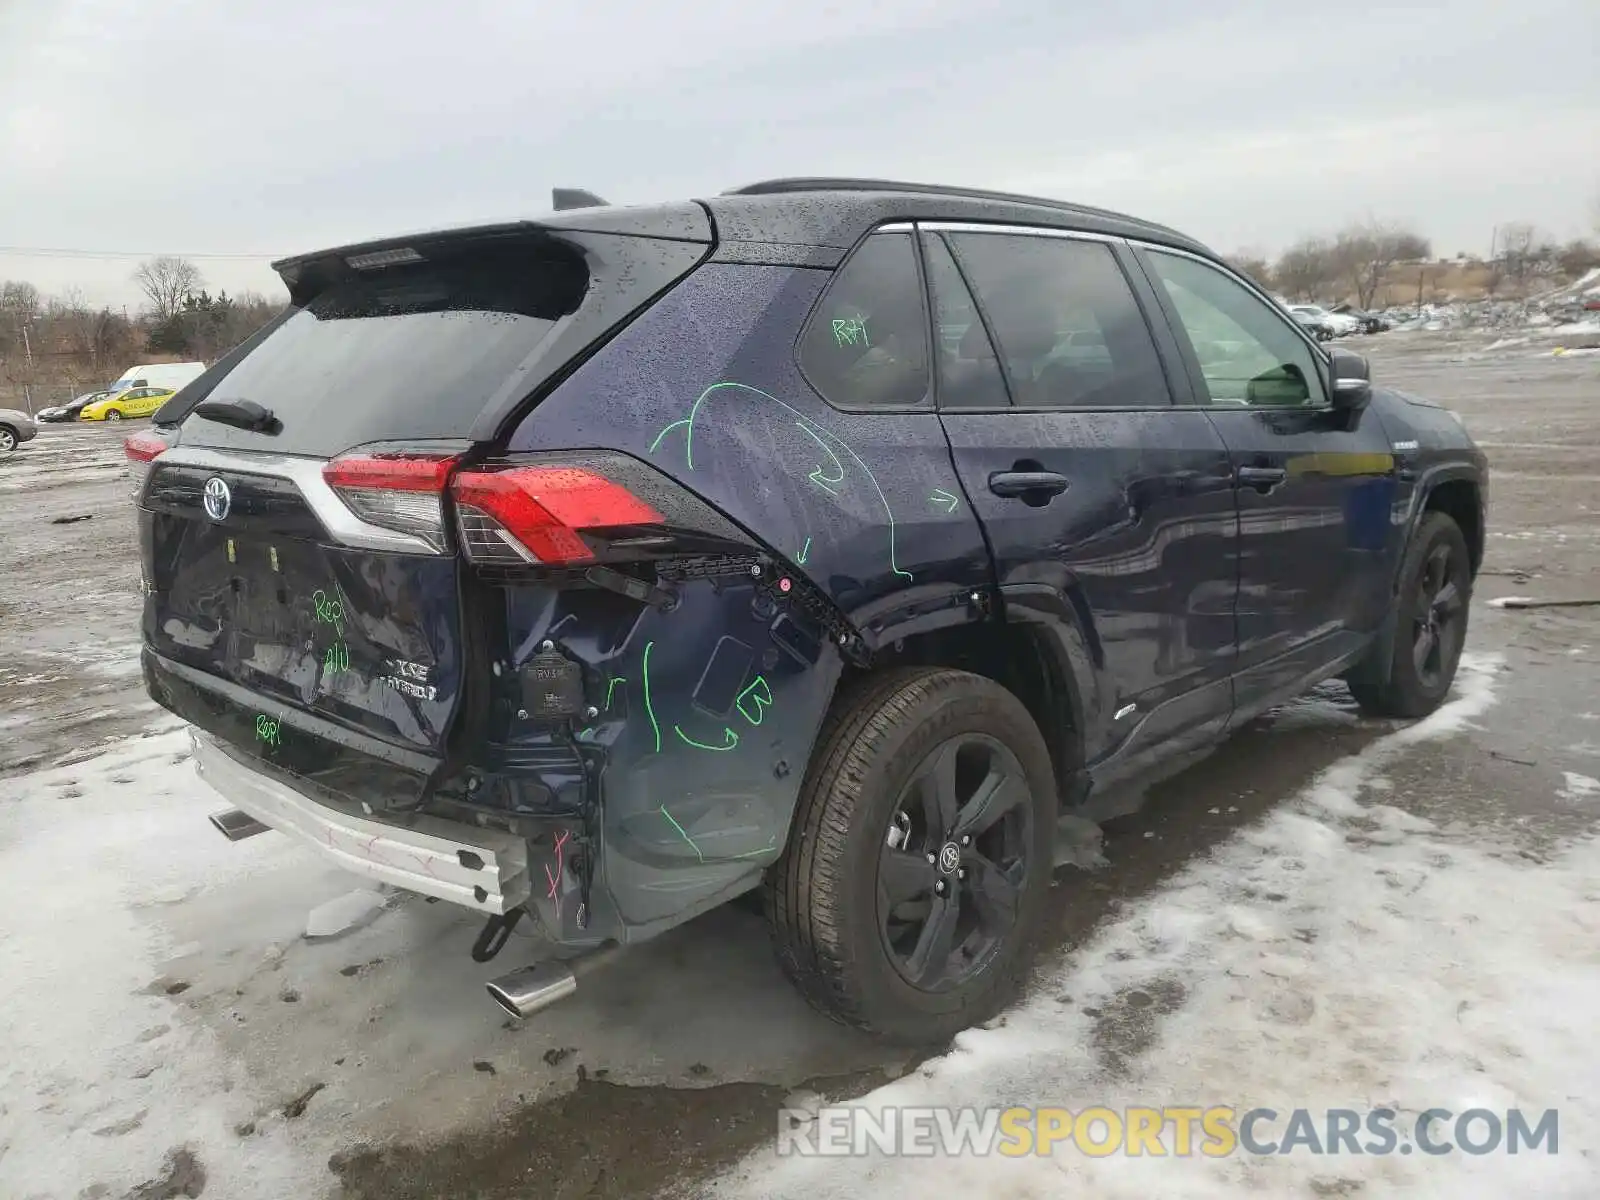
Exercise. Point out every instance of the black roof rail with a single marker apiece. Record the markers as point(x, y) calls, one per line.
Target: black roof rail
point(801, 184)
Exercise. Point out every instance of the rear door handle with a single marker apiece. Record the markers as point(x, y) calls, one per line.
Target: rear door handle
point(1263, 479)
point(1020, 484)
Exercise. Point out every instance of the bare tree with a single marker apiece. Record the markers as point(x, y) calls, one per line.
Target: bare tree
point(1578, 257)
point(168, 282)
point(1494, 274)
point(1253, 264)
point(1305, 268)
point(19, 300)
point(1363, 254)
point(1524, 252)
point(19, 307)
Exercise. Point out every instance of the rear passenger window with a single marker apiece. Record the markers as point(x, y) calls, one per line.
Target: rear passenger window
point(867, 343)
point(1070, 333)
point(968, 371)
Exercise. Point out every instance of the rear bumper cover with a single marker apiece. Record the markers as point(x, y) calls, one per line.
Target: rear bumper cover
point(481, 869)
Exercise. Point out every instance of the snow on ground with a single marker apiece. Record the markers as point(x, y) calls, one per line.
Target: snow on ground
point(1342, 954)
point(156, 992)
point(95, 1062)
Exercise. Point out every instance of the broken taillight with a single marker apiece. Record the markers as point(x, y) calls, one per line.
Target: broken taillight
point(402, 492)
point(535, 514)
point(141, 449)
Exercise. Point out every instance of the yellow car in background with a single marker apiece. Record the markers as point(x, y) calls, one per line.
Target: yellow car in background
point(135, 402)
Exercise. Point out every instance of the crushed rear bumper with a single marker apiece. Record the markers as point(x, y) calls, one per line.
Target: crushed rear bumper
point(481, 869)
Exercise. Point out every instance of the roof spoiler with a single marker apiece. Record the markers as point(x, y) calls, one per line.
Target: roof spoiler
point(565, 198)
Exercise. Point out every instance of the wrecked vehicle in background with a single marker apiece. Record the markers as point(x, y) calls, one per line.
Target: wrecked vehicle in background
point(15, 428)
point(597, 569)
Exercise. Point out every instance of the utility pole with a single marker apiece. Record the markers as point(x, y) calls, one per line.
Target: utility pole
point(27, 384)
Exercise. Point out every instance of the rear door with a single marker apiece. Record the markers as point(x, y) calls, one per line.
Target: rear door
point(1314, 485)
point(1088, 482)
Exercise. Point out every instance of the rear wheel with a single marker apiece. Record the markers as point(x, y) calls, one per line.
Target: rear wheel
point(8, 439)
point(909, 899)
point(1431, 626)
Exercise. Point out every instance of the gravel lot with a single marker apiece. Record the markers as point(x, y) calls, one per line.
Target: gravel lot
point(389, 1073)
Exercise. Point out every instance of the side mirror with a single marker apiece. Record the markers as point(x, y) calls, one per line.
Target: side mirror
point(1350, 378)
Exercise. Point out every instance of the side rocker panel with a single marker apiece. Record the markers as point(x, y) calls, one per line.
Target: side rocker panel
point(706, 735)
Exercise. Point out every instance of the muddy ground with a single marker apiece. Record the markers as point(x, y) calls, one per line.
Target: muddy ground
point(659, 1073)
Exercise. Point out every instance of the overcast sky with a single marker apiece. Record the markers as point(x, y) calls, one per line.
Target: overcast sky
point(264, 127)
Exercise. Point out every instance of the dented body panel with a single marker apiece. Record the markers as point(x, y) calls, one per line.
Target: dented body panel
point(709, 710)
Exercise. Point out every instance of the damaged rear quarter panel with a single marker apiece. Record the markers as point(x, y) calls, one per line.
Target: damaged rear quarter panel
point(711, 709)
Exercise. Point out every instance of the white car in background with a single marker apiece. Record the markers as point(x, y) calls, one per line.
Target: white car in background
point(1341, 324)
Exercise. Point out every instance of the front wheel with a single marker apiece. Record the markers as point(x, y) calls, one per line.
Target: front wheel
point(909, 899)
point(1431, 625)
point(113, 415)
point(8, 439)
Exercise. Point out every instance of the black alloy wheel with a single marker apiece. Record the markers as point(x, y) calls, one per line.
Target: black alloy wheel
point(954, 858)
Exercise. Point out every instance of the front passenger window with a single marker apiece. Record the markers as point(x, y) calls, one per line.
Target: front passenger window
point(1248, 354)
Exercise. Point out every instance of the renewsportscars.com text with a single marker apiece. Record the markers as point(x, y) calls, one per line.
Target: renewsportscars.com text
point(1178, 1131)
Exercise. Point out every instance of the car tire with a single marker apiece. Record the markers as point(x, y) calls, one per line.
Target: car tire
point(844, 902)
point(8, 439)
point(113, 415)
point(1434, 596)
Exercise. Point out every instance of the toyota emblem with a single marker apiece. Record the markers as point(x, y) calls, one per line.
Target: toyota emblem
point(949, 858)
point(218, 499)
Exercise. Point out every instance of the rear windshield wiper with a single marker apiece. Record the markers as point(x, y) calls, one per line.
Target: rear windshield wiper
point(241, 414)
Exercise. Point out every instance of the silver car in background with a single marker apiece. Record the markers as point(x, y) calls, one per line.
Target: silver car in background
point(15, 428)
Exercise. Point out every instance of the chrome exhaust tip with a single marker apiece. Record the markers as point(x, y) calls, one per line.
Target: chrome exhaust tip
point(530, 989)
point(236, 825)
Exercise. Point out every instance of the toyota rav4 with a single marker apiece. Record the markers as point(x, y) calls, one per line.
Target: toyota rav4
point(830, 538)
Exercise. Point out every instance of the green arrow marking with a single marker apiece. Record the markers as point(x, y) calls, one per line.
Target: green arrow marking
point(943, 499)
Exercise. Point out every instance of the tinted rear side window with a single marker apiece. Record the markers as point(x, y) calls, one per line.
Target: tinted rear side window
point(402, 353)
point(969, 372)
point(1070, 333)
point(866, 345)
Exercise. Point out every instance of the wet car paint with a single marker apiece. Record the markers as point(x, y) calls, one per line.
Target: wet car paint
point(700, 776)
point(672, 783)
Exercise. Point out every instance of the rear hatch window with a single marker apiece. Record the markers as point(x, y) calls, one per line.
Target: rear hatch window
point(398, 352)
point(309, 620)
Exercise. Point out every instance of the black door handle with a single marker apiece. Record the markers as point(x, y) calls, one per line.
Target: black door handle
point(1263, 479)
point(1028, 484)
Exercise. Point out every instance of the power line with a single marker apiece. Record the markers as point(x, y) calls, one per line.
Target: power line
point(62, 252)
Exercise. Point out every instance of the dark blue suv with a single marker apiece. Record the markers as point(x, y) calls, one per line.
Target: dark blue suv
point(826, 537)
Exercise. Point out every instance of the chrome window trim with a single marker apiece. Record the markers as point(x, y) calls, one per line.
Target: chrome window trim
point(306, 474)
point(1073, 235)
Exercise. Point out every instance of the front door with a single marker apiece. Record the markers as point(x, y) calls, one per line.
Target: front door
point(1086, 479)
point(1314, 485)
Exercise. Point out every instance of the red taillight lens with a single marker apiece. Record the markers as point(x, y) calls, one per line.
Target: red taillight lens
point(534, 514)
point(142, 449)
point(390, 472)
point(401, 492)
